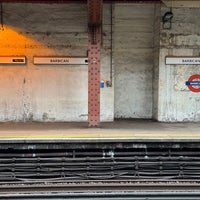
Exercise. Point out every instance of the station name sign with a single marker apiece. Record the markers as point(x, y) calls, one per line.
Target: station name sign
point(182, 60)
point(12, 60)
point(37, 60)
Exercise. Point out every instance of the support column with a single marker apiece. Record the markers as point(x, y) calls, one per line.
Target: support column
point(94, 57)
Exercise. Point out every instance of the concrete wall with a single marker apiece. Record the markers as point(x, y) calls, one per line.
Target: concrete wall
point(133, 60)
point(176, 101)
point(143, 86)
point(48, 93)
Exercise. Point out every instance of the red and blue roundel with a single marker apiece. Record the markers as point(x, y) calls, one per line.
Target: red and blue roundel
point(193, 84)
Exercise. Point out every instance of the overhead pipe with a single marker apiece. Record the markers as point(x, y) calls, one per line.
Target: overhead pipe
point(1, 13)
point(110, 82)
point(81, 1)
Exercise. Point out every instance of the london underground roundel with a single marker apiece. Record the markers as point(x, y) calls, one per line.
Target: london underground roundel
point(193, 83)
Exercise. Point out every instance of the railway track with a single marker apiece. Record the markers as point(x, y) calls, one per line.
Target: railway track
point(98, 187)
point(142, 172)
point(102, 192)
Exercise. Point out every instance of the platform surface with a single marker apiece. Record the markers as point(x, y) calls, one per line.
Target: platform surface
point(131, 130)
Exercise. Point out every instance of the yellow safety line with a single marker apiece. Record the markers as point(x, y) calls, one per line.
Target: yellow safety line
point(96, 135)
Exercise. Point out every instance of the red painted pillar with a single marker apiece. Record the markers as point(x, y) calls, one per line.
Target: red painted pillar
point(94, 57)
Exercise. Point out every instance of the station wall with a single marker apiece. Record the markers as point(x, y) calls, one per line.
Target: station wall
point(143, 86)
point(41, 92)
point(175, 101)
point(133, 60)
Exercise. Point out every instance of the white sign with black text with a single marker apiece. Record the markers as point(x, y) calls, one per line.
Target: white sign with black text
point(182, 60)
point(12, 60)
point(37, 60)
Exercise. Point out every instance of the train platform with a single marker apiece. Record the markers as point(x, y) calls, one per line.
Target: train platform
point(124, 130)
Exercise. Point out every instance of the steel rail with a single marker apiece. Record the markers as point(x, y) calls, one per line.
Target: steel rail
point(97, 187)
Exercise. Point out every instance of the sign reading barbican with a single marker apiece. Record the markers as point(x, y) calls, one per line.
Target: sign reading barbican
point(182, 60)
point(37, 60)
